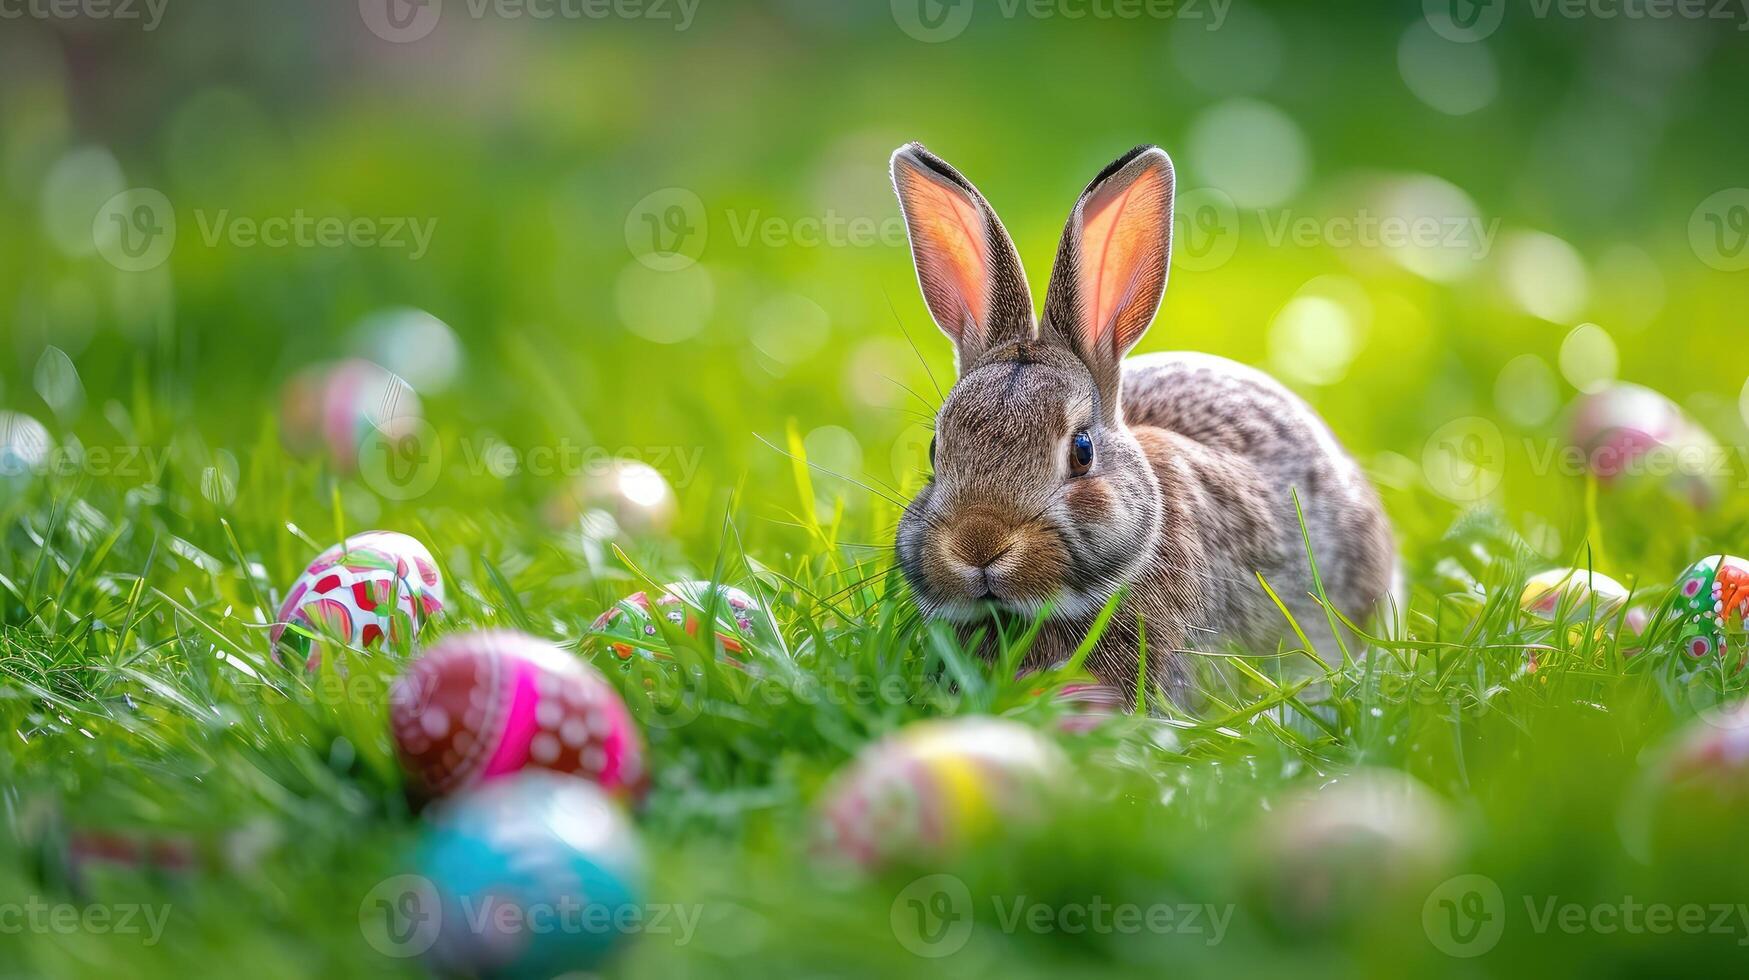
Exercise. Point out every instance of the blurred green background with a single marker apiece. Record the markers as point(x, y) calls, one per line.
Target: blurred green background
point(664, 230)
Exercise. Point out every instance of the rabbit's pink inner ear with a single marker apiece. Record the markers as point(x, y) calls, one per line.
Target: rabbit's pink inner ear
point(950, 242)
point(1125, 238)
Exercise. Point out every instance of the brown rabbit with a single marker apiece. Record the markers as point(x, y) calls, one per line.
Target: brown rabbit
point(1063, 472)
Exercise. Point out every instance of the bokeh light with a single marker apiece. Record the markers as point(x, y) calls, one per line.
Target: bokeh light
point(1588, 357)
point(1525, 391)
point(1454, 78)
point(1544, 276)
point(1250, 149)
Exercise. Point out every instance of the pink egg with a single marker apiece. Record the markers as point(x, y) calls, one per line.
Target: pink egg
point(342, 407)
point(1634, 435)
point(481, 705)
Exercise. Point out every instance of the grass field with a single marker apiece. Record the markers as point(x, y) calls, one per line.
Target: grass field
point(677, 244)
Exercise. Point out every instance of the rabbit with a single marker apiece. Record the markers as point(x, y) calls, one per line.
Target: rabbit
point(1063, 472)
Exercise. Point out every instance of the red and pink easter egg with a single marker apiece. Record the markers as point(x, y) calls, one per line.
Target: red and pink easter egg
point(372, 589)
point(482, 705)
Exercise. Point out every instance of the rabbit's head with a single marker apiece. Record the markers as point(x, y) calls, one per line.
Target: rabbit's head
point(1039, 493)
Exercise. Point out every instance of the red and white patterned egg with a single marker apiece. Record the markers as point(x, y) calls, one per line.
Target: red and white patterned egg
point(373, 587)
point(481, 705)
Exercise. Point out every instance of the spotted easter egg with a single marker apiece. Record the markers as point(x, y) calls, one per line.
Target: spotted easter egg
point(629, 627)
point(1711, 608)
point(618, 496)
point(535, 876)
point(481, 705)
point(935, 787)
point(1633, 436)
point(373, 588)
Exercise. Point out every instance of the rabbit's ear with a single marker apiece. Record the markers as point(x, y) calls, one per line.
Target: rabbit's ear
point(1111, 267)
point(966, 263)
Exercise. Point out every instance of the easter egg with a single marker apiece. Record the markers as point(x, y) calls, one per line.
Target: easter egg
point(1631, 435)
point(621, 495)
point(482, 705)
point(935, 787)
point(364, 401)
point(300, 409)
point(1584, 594)
point(1324, 854)
point(629, 627)
point(1714, 753)
point(536, 876)
point(373, 587)
point(344, 408)
point(1087, 706)
point(1710, 607)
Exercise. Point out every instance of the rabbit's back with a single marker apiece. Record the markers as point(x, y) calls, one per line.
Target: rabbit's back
point(1233, 446)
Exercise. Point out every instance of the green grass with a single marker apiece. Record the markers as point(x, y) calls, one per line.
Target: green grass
point(140, 697)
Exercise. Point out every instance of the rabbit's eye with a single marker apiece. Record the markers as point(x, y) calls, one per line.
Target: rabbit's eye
point(1080, 453)
point(932, 452)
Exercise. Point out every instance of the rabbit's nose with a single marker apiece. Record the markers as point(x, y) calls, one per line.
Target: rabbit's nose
point(979, 539)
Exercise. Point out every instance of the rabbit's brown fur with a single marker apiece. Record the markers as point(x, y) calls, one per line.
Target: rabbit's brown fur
point(1192, 461)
